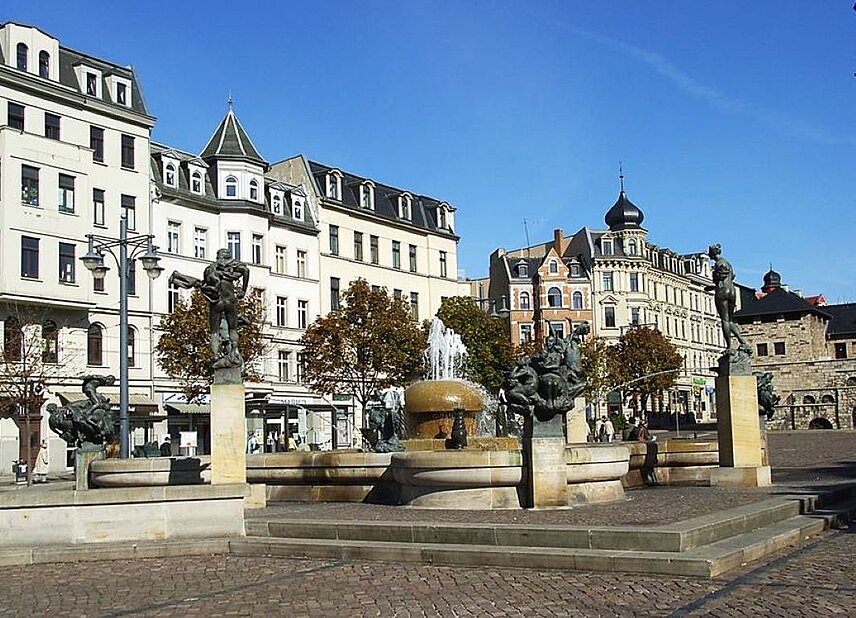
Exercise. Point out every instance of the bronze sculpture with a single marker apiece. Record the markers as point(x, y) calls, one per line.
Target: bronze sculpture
point(733, 361)
point(768, 399)
point(87, 423)
point(218, 286)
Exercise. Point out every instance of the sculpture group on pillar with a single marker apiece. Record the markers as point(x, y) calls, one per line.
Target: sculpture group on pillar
point(544, 386)
point(89, 423)
point(733, 361)
point(218, 286)
point(768, 399)
point(385, 421)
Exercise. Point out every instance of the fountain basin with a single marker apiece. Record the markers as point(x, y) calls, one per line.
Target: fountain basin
point(429, 406)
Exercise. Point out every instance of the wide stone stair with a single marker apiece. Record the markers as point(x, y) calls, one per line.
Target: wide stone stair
point(705, 546)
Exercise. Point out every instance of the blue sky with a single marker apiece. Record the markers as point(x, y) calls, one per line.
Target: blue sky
point(734, 120)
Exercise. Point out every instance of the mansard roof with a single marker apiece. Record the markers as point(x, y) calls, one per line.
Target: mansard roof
point(230, 141)
point(843, 322)
point(778, 302)
point(423, 208)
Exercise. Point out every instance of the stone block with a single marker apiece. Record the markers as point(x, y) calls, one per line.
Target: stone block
point(738, 424)
point(228, 434)
point(577, 427)
point(256, 496)
point(548, 476)
point(82, 460)
point(756, 476)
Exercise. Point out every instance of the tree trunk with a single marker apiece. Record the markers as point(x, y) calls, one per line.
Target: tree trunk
point(29, 446)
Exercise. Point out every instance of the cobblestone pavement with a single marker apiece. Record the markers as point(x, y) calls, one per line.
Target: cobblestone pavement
point(815, 580)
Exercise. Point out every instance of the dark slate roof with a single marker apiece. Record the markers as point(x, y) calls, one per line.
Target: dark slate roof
point(777, 302)
point(230, 141)
point(624, 214)
point(423, 209)
point(843, 323)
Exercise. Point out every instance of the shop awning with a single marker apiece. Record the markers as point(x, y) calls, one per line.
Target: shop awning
point(189, 408)
point(141, 403)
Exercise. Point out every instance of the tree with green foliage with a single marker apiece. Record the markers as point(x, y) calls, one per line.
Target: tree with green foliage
point(595, 356)
point(642, 352)
point(184, 347)
point(489, 353)
point(371, 342)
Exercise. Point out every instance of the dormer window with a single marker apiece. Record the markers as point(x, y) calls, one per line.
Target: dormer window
point(575, 270)
point(254, 190)
point(334, 186)
point(169, 175)
point(297, 210)
point(606, 247)
point(553, 267)
point(631, 247)
point(276, 205)
point(367, 196)
point(231, 186)
point(121, 93)
point(91, 84)
point(196, 182)
point(404, 210)
point(44, 64)
point(442, 218)
point(522, 269)
point(22, 54)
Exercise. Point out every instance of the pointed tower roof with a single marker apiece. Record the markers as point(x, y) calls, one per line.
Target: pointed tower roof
point(230, 141)
point(624, 214)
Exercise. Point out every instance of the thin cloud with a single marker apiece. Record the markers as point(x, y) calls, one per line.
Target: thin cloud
point(721, 100)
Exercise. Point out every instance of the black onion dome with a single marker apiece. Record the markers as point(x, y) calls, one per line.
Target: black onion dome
point(772, 279)
point(623, 214)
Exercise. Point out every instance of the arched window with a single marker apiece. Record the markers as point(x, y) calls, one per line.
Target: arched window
point(554, 297)
point(44, 64)
point(631, 247)
point(522, 269)
point(851, 381)
point(132, 346)
point(231, 186)
point(50, 342)
point(13, 340)
point(23, 52)
point(808, 399)
point(577, 300)
point(95, 345)
point(196, 182)
point(298, 210)
point(827, 399)
point(277, 205)
point(169, 176)
point(254, 190)
point(524, 300)
point(554, 267)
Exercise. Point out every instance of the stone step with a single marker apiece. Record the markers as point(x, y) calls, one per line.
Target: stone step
point(708, 561)
point(677, 537)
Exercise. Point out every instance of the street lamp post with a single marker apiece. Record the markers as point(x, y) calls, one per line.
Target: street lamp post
point(141, 247)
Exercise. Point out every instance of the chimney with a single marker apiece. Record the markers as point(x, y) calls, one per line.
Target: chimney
point(557, 240)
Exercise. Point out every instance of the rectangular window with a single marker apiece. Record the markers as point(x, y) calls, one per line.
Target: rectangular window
point(65, 193)
point(128, 152)
point(283, 363)
point(98, 284)
point(301, 264)
point(634, 282)
point(607, 281)
point(374, 252)
point(257, 248)
point(414, 305)
point(444, 267)
point(281, 311)
point(301, 360)
point(200, 242)
point(358, 246)
point(396, 294)
point(396, 254)
point(96, 143)
point(129, 211)
point(279, 262)
point(51, 126)
point(526, 333)
point(173, 235)
point(634, 316)
point(30, 185)
point(302, 313)
point(413, 258)
point(15, 116)
point(841, 350)
point(334, 293)
point(609, 317)
point(172, 296)
point(762, 349)
point(29, 257)
point(233, 243)
point(98, 206)
point(121, 93)
point(779, 348)
point(132, 277)
point(334, 239)
point(558, 329)
point(66, 262)
point(91, 84)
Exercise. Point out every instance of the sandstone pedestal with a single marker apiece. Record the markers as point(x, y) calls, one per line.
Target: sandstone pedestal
point(739, 432)
point(83, 456)
point(547, 482)
point(228, 430)
point(577, 427)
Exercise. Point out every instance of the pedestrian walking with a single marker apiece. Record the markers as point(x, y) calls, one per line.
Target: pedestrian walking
point(598, 430)
point(40, 470)
point(166, 447)
point(608, 429)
